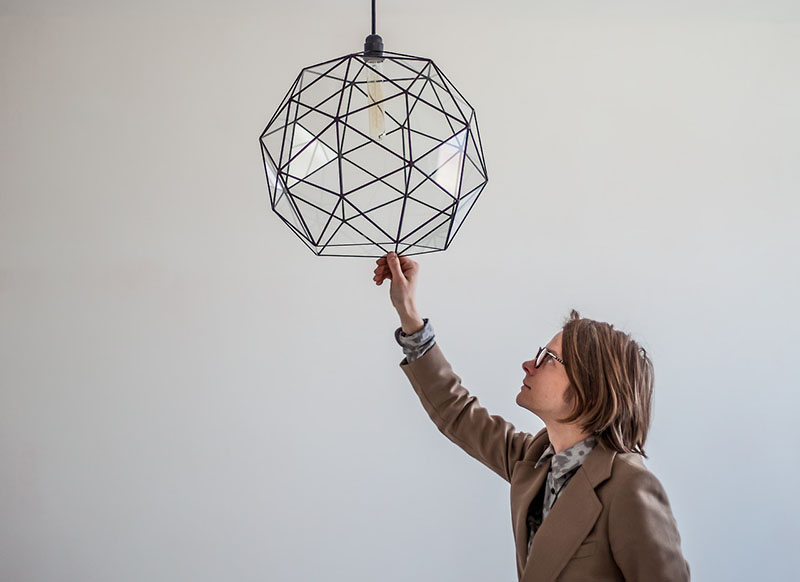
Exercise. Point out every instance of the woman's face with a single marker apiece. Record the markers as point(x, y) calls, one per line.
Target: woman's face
point(543, 388)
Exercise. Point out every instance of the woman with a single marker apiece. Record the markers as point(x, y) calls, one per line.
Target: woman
point(583, 505)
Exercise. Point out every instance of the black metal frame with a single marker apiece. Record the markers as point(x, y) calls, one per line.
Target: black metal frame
point(419, 75)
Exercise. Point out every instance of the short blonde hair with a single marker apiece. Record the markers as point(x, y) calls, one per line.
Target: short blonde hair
point(611, 383)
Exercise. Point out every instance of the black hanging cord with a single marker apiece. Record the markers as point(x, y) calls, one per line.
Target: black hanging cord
point(373, 46)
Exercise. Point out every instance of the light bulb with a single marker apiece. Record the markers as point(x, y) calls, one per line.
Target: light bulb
point(377, 117)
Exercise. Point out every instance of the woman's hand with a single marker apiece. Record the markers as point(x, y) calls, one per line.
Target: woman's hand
point(403, 273)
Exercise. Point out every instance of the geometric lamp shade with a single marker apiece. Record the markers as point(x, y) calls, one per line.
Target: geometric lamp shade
point(367, 155)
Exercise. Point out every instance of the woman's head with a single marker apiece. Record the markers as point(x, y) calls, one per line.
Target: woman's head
point(604, 385)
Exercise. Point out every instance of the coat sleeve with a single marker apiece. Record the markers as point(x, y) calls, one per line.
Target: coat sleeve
point(643, 533)
point(460, 417)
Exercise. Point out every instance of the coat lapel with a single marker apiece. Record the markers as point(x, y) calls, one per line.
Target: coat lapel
point(524, 486)
point(568, 523)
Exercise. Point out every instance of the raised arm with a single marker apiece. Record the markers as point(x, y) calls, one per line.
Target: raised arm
point(456, 413)
point(459, 416)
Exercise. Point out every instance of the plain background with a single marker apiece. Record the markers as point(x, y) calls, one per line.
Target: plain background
point(188, 393)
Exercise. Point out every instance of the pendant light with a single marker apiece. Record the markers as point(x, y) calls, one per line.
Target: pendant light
point(373, 152)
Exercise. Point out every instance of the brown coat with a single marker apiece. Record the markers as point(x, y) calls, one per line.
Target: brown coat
point(612, 521)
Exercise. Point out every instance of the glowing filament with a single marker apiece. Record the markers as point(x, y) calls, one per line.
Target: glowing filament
point(377, 117)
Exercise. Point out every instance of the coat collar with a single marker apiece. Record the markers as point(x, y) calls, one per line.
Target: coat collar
point(570, 520)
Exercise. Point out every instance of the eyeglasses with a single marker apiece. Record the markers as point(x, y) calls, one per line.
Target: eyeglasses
point(542, 354)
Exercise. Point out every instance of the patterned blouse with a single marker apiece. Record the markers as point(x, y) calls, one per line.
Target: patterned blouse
point(562, 465)
point(415, 344)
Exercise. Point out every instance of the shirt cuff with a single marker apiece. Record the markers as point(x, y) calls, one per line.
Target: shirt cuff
point(416, 344)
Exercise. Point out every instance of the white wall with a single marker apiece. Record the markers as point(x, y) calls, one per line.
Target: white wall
point(188, 393)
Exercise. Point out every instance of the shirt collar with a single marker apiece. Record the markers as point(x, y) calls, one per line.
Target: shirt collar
point(568, 459)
